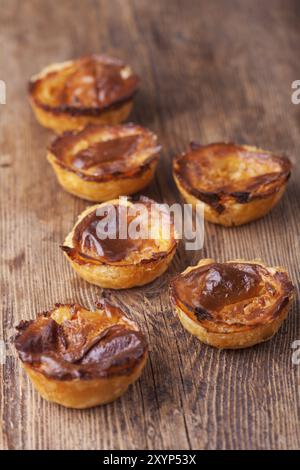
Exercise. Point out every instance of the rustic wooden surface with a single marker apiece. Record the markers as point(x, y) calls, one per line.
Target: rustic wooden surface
point(211, 71)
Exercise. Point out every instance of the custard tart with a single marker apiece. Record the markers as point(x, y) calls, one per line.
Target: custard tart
point(235, 183)
point(120, 243)
point(80, 358)
point(100, 163)
point(232, 305)
point(95, 89)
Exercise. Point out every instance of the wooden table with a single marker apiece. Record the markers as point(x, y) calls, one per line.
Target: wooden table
point(211, 71)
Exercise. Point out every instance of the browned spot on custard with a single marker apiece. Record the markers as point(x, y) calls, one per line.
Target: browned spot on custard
point(216, 172)
point(106, 156)
point(84, 346)
point(95, 83)
point(232, 293)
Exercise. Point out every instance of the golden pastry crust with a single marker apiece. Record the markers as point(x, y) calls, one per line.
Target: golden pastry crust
point(232, 305)
point(80, 358)
point(236, 183)
point(90, 90)
point(120, 263)
point(103, 162)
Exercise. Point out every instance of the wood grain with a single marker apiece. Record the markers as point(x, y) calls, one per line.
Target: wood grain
point(211, 71)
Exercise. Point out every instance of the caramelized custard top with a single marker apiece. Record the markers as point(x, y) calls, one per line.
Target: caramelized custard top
point(214, 172)
point(90, 83)
point(232, 293)
point(87, 241)
point(70, 342)
point(130, 239)
point(98, 153)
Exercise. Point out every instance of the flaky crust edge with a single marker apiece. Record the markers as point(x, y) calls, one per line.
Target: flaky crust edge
point(235, 214)
point(79, 393)
point(62, 122)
